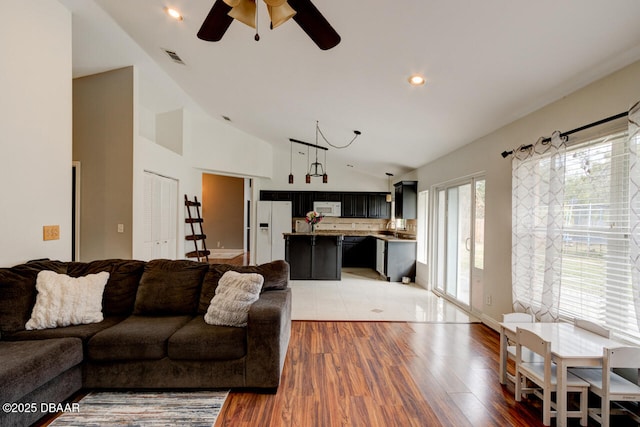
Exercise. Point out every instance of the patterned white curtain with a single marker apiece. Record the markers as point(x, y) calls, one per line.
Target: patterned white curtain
point(634, 192)
point(537, 218)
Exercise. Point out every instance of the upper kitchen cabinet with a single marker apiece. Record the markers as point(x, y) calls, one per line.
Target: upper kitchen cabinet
point(302, 202)
point(378, 207)
point(327, 196)
point(275, 196)
point(354, 205)
point(406, 199)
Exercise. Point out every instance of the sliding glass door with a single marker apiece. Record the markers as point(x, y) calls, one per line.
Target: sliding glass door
point(459, 243)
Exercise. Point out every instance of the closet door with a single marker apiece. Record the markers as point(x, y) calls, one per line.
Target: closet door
point(160, 216)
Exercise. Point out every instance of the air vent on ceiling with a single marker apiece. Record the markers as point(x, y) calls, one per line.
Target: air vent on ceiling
point(174, 56)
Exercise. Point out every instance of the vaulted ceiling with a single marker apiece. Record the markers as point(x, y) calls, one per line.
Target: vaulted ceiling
point(486, 64)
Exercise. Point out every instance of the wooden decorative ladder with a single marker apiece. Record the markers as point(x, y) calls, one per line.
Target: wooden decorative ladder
point(201, 251)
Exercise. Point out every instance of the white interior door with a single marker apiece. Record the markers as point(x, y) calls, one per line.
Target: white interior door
point(160, 216)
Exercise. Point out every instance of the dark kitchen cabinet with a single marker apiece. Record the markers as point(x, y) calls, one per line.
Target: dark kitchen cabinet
point(314, 256)
point(406, 199)
point(378, 207)
point(278, 196)
point(302, 202)
point(358, 251)
point(326, 196)
point(354, 205)
point(396, 259)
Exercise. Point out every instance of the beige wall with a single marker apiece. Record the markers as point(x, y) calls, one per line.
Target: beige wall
point(604, 98)
point(223, 211)
point(103, 144)
point(35, 130)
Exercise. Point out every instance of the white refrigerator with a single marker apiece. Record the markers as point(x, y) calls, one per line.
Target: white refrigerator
point(272, 219)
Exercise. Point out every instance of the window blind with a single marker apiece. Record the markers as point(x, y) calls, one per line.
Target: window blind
point(596, 267)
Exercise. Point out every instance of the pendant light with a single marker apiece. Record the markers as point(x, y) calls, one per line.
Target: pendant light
point(389, 197)
point(291, 163)
point(317, 169)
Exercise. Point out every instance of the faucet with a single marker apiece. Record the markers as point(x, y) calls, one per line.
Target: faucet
point(391, 225)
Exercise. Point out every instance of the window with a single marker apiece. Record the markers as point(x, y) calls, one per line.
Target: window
point(423, 226)
point(595, 272)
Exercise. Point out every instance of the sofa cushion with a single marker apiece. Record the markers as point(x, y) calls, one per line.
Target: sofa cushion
point(120, 293)
point(84, 332)
point(64, 300)
point(199, 341)
point(275, 273)
point(26, 365)
point(169, 287)
point(18, 292)
point(135, 338)
point(234, 295)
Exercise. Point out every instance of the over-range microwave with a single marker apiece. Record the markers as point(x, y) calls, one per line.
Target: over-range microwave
point(328, 208)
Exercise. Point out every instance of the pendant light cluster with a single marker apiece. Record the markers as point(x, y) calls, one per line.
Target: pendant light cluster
point(316, 169)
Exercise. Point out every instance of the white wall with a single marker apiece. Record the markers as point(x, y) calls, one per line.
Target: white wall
point(341, 177)
point(606, 97)
point(165, 151)
point(35, 126)
point(220, 148)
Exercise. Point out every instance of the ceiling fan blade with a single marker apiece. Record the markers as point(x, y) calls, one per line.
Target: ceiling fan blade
point(216, 22)
point(314, 24)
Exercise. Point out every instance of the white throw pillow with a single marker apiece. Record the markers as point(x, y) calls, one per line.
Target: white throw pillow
point(64, 300)
point(234, 295)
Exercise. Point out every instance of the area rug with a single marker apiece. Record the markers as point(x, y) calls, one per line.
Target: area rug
point(225, 253)
point(145, 409)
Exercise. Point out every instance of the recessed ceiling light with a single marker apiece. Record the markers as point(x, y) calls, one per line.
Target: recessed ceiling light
point(416, 80)
point(173, 13)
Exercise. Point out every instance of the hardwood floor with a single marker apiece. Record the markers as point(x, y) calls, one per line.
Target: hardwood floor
point(239, 260)
point(387, 374)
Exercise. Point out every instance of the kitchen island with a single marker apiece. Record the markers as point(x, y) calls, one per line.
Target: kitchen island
point(319, 255)
point(314, 256)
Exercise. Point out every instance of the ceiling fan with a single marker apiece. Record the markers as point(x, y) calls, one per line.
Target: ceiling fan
point(306, 15)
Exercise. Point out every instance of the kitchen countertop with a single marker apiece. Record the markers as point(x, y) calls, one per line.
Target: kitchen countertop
point(386, 237)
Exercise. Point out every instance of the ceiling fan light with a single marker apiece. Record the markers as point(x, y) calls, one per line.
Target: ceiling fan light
point(232, 3)
point(245, 12)
point(280, 14)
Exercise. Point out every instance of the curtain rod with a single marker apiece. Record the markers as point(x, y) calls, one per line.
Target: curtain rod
point(572, 131)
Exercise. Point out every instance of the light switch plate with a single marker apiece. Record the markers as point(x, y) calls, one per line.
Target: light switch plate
point(50, 232)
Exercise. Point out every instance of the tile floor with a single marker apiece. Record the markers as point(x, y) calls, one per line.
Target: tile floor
point(361, 295)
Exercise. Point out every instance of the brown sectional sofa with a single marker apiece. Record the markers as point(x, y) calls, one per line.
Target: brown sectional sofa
point(153, 335)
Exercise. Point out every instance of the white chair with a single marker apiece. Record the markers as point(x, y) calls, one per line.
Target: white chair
point(592, 327)
point(610, 386)
point(511, 347)
point(543, 375)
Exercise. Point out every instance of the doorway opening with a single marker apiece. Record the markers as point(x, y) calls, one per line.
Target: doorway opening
point(226, 215)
